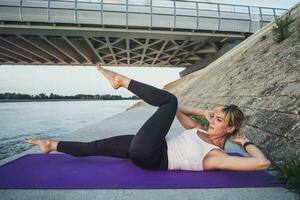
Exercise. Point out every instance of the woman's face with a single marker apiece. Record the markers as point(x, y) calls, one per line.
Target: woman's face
point(218, 125)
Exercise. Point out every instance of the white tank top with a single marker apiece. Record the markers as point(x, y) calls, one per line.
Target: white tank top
point(187, 151)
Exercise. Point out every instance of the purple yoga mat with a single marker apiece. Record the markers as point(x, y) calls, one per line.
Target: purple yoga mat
point(54, 171)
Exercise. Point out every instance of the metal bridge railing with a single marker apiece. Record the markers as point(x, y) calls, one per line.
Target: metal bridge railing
point(151, 14)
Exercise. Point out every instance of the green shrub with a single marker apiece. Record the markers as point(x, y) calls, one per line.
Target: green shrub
point(201, 120)
point(281, 29)
point(289, 171)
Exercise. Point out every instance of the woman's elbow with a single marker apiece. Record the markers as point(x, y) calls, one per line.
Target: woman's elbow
point(264, 164)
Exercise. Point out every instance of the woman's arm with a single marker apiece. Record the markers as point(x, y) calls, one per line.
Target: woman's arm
point(252, 150)
point(190, 111)
point(183, 115)
point(256, 161)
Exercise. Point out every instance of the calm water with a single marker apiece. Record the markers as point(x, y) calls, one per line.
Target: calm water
point(50, 119)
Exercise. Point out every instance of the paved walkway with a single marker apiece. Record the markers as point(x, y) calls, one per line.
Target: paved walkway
point(128, 123)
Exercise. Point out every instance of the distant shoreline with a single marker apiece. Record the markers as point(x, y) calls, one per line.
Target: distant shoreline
point(50, 100)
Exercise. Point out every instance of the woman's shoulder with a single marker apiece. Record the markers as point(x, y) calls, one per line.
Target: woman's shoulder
point(213, 157)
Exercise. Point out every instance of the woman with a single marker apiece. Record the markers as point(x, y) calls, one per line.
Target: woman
point(194, 149)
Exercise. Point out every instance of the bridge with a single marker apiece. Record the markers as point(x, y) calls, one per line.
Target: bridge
point(161, 33)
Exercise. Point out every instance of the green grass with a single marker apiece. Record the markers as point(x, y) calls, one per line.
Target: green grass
point(289, 171)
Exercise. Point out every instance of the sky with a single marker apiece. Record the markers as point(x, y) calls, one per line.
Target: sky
point(70, 80)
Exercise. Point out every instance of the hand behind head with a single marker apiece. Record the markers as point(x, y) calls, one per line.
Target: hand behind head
point(240, 138)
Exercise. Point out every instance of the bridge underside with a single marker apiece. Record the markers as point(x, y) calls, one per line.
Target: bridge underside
point(66, 45)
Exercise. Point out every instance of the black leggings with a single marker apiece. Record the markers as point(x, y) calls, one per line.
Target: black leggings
point(148, 148)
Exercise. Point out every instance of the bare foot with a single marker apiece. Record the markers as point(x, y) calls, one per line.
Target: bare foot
point(46, 146)
point(116, 80)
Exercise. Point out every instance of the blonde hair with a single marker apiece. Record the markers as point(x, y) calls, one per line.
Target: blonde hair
point(233, 116)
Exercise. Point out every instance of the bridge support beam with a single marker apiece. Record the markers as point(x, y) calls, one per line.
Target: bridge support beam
point(209, 59)
point(85, 46)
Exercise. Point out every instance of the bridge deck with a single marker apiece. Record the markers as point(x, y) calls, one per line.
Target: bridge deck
point(160, 33)
point(134, 13)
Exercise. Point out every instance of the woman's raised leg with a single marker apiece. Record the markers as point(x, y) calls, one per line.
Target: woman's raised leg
point(149, 143)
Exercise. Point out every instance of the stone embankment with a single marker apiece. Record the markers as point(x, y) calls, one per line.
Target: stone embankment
point(261, 77)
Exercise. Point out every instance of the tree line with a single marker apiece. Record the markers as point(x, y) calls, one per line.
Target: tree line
point(12, 96)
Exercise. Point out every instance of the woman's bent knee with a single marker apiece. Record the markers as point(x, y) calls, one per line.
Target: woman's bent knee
point(173, 100)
